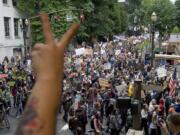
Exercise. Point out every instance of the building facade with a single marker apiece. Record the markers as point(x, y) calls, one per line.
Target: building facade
point(11, 32)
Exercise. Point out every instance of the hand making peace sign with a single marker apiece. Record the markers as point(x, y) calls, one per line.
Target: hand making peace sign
point(48, 61)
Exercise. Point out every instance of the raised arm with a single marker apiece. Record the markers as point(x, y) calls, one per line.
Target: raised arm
point(48, 62)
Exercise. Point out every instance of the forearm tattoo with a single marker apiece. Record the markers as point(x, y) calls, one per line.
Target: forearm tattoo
point(30, 123)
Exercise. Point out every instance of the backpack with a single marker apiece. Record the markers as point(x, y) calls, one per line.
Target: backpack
point(92, 123)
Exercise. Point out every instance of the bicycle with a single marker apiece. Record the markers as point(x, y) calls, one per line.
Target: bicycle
point(3, 117)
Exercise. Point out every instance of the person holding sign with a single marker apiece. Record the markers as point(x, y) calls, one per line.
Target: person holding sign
point(48, 63)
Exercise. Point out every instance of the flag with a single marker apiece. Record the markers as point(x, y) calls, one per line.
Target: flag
point(172, 84)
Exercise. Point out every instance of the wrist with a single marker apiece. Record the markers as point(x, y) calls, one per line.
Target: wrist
point(48, 77)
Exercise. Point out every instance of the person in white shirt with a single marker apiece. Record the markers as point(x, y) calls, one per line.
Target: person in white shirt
point(144, 118)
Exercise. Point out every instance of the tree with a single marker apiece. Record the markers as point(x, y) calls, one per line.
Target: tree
point(58, 19)
point(175, 30)
point(166, 14)
point(134, 12)
point(107, 19)
point(177, 3)
point(102, 17)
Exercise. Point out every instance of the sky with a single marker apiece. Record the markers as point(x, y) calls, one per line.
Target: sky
point(173, 1)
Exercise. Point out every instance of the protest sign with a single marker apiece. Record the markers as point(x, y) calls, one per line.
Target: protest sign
point(79, 61)
point(161, 72)
point(152, 87)
point(103, 82)
point(134, 132)
point(120, 43)
point(103, 51)
point(121, 87)
point(3, 76)
point(29, 63)
point(107, 66)
point(117, 52)
point(80, 51)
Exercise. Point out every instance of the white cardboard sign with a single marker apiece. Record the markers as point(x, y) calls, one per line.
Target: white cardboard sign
point(80, 51)
point(162, 72)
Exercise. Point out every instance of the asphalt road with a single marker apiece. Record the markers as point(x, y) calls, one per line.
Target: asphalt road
point(62, 127)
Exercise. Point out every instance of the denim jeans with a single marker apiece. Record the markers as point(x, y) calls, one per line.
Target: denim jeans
point(90, 109)
point(19, 109)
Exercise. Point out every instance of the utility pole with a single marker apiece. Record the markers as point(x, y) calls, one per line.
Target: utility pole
point(152, 49)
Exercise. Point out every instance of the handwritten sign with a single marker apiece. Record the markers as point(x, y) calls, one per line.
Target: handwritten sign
point(121, 87)
point(107, 66)
point(117, 52)
point(103, 82)
point(80, 51)
point(162, 72)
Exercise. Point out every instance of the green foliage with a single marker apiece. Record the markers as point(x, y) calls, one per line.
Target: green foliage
point(143, 45)
point(166, 14)
point(58, 20)
point(176, 30)
point(102, 17)
point(177, 3)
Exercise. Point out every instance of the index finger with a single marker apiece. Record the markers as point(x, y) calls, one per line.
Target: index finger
point(47, 31)
point(68, 36)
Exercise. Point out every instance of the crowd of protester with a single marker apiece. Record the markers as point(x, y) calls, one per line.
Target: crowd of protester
point(16, 83)
point(86, 102)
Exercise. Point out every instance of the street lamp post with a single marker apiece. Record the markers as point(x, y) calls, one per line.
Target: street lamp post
point(153, 19)
point(135, 25)
point(24, 27)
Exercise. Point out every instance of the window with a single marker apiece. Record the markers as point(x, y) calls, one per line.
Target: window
point(16, 27)
point(5, 2)
point(6, 26)
point(14, 2)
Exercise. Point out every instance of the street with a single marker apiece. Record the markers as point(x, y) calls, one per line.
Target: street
point(111, 67)
point(62, 127)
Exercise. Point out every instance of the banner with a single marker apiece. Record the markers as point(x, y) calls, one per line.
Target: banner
point(103, 82)
point(80, 51)
point(3, 76)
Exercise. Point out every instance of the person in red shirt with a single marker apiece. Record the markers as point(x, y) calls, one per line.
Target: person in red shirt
point(161, 106)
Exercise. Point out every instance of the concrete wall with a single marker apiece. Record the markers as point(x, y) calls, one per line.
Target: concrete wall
point(8, 44)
